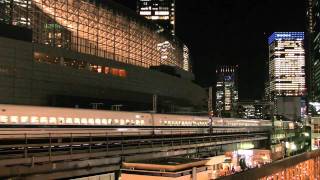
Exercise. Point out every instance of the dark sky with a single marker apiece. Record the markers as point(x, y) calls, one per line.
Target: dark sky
point(233, 32)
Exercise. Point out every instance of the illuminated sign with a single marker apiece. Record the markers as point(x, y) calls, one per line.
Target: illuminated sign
point(276, 36)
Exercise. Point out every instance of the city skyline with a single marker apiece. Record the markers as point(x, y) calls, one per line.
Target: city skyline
point(212, 29)
point(90, 89)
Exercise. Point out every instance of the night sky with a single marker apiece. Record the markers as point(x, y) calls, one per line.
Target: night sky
point(233, 32)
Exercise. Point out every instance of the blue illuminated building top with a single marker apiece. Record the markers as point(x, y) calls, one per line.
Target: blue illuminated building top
point(276, 36)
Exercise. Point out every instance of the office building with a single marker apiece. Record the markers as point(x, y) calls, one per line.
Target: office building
point(254, 109)
point(226, 89)
point(313, 18)
point(161, 12)
point(286, 64)
point(69, 53)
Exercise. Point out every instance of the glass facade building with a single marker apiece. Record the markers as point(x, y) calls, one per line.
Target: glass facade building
point(226, 88)
point(286, 64)
point(104, 30)
point(313, 16)
point(160, 11)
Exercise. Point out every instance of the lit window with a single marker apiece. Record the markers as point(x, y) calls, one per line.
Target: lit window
point(84, 121)
point(77, 120)
point(43, 120)
point(115, 71)
point(122, 73)
point(91, 121)
point(106, 70)
point(14, 119)
point(23, 119)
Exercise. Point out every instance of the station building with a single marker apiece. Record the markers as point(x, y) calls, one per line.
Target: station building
point(79, 52)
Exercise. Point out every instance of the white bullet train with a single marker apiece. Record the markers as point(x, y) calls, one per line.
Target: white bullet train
point(24, 116)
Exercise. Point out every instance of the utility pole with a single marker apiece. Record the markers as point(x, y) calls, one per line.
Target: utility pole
point(154, 103)
point(210, 109)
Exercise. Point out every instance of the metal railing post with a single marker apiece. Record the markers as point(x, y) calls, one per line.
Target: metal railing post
point(25, 146)
point(107, 142)
point(90, 143)
point(50, 144)
point(71, 144)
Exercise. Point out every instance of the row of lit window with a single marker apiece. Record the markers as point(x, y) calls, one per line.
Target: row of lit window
point(184, 123)
point(88, 121)
point(79, 64)
point(67, 120)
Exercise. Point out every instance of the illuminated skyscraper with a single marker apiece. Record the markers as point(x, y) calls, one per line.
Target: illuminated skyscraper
point(160, 11)
point(226, 88)
point(286, 64)
point(314, 49)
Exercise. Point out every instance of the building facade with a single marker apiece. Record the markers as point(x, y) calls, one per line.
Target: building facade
point(160, 11)
point(63, 53)
point(313, 17)
point(254, 109)
point(226, 89)
point(286, 64)
point(93, 29)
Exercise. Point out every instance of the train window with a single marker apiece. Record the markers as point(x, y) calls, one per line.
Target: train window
point(91, 121)
point(52, 120)
point(98, 121)
point(76, 120)
point(109, 121)
point(14, 119)
point(122, 122)
point(116, 121)
point(165, 122)
point(4, 119)
point(127, 122)
point(69, 121)
point(137, 122)
point(132, 122)
point(104, 121)
point(24, 119)
point(43, 120)
point(142, 122)
point(34, 120)
point(84, 121)
point(61, 120)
